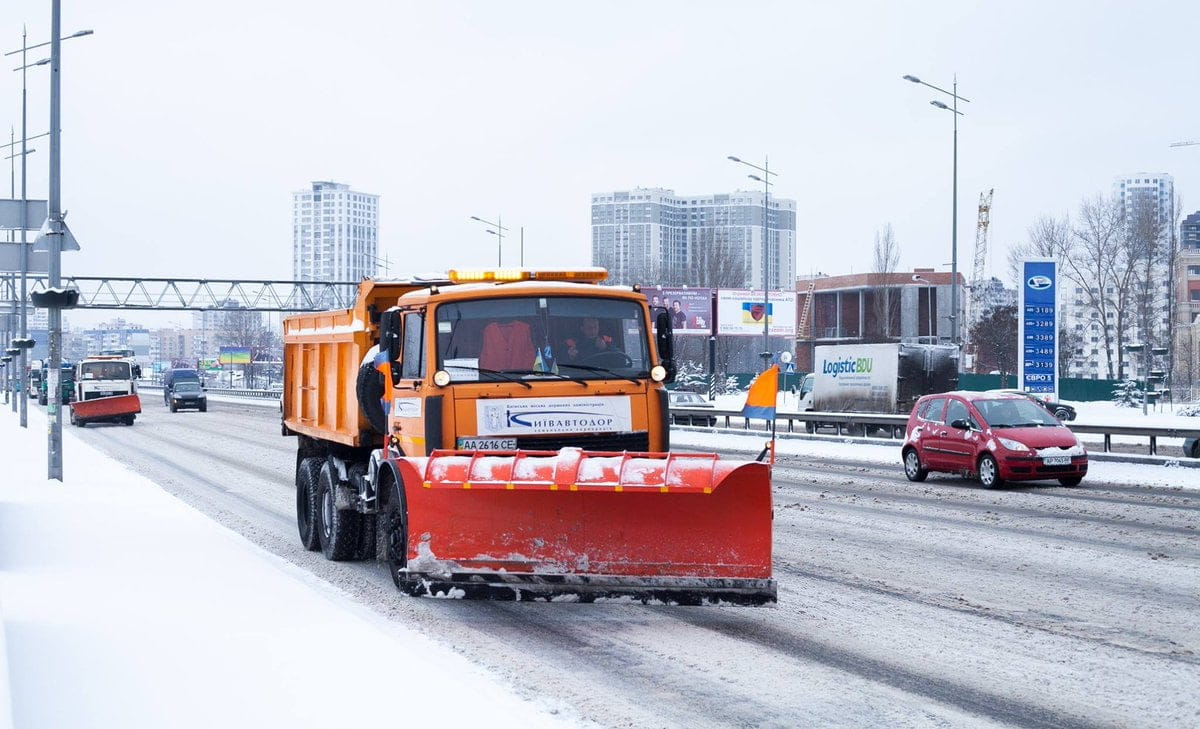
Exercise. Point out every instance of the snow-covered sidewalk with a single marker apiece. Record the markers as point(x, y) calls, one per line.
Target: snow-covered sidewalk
point(120, 606)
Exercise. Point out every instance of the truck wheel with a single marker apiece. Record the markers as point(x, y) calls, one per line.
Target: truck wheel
point(370, 388)
point(912, 466)
point(42, 399)
point(129, 419)
point(368, 523)
point(306, 494)
point(989, 472)
point(337, 529)
point(74, 420)
point(394, 522)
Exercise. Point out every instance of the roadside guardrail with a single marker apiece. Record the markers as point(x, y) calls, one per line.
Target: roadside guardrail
point(856, 424)
point(847, 424)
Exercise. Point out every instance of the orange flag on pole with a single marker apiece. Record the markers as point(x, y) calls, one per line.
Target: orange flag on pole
point(760, 399)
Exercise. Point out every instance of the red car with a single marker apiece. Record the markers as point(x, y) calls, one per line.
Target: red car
point(998, 437)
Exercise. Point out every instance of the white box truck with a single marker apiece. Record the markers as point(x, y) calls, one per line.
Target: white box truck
point(876, 378)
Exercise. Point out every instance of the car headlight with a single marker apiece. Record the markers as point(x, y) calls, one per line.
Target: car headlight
point(1013, 445)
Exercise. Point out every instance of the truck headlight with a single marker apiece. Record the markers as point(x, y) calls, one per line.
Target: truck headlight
point(658, 373)
point(441, 378)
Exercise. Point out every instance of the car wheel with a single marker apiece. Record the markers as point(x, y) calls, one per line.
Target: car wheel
point(989, 472)
point(1062, 414)
point(1071, 480)
point(1195, 452)
point(912, 466)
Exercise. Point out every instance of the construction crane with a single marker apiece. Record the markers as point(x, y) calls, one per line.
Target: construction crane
point(1188, 143)
point(979, 275)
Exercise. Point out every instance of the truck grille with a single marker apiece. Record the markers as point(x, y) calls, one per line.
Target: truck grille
point(639, 441)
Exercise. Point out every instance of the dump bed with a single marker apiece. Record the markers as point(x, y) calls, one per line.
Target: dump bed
point(322, 352)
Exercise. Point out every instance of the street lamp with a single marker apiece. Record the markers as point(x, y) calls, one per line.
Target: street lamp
point(917, 278)
point(766, 248)
point(497, 230)
point(953, 94)
point(55, 457)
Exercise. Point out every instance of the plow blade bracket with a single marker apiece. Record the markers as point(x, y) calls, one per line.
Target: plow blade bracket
point(669, 527)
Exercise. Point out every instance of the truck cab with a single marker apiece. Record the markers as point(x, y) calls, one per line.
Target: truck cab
point(105, 391)
point(483, 360)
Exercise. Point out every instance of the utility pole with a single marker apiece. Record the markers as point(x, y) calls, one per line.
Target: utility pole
point(55, 240)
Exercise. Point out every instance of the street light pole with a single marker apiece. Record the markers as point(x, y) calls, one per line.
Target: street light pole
point(953, 94)
point(766, 248)
point(497, 230)
point(55, 239)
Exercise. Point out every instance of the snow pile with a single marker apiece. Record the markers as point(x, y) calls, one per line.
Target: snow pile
point(123, 607)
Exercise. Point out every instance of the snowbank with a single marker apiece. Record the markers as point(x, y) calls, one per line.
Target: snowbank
point(123, 607)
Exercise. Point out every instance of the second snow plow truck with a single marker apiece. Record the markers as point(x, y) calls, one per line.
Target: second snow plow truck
point(505, 434)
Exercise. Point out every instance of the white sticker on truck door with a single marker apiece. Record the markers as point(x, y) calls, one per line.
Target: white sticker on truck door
point(534, 415)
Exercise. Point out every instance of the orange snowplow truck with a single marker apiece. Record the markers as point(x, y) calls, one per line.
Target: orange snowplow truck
point(505, 434)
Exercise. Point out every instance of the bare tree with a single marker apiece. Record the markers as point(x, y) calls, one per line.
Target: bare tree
point(1048, 237)
point(884, 262)
point(244, 328)
point(1096, 261)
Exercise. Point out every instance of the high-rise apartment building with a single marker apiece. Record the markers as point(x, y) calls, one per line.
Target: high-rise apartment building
point(1147, 201)
point(335, 233)
point(653, 235)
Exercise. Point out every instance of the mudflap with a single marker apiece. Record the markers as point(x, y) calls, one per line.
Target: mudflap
point(104, 408)
point(662, 527)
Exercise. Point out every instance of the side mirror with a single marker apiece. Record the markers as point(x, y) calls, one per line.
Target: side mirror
point(137, 372)
point(665, 339)
point(389, 334)
point(960, 424)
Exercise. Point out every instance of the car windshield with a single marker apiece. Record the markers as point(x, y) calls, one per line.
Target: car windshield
point(1015, 413)
point(187, 387)
point(535, 337)
point(104, 370)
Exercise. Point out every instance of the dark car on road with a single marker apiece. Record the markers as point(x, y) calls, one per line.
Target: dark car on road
point(188, 394)
point(996, 436)
point(691, 401)
point(1191, 446)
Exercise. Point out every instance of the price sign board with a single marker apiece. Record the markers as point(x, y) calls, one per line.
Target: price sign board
point(1037, 328)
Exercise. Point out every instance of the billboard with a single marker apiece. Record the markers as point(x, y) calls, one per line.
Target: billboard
point(856, 378)
point(1037, 328)
point(691, 309)
point(234, 355)
point(741, 312)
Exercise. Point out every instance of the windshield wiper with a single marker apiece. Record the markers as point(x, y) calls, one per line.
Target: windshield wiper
point(559, 375)
point(501, 375)
point(605, 370)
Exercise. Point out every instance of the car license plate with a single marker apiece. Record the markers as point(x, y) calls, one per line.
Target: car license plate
point(1057, 460)
point(487, 444)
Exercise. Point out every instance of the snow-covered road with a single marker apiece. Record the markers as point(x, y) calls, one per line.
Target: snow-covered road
point(934, 604)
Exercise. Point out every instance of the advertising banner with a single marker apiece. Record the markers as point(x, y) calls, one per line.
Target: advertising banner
point(234, 355)
point(691, 309)
point(1037, 328)
point(540, 415)
point(741, 312)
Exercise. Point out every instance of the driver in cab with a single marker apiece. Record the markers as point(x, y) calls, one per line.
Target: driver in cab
point(590, 342)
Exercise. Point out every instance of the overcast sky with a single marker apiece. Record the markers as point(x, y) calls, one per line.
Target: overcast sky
point(186, 126)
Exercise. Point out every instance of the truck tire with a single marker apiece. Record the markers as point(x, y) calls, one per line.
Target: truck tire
point(306, 494)
point(394, 523)
point(368, 524)
point(369, 388)
point(338, 530)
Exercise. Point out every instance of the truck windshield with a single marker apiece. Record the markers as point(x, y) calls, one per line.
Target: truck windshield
point(104, 370)
point(536, 337)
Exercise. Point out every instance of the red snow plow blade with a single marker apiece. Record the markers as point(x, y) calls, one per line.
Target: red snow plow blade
point(683, 528)
point(103, 408)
